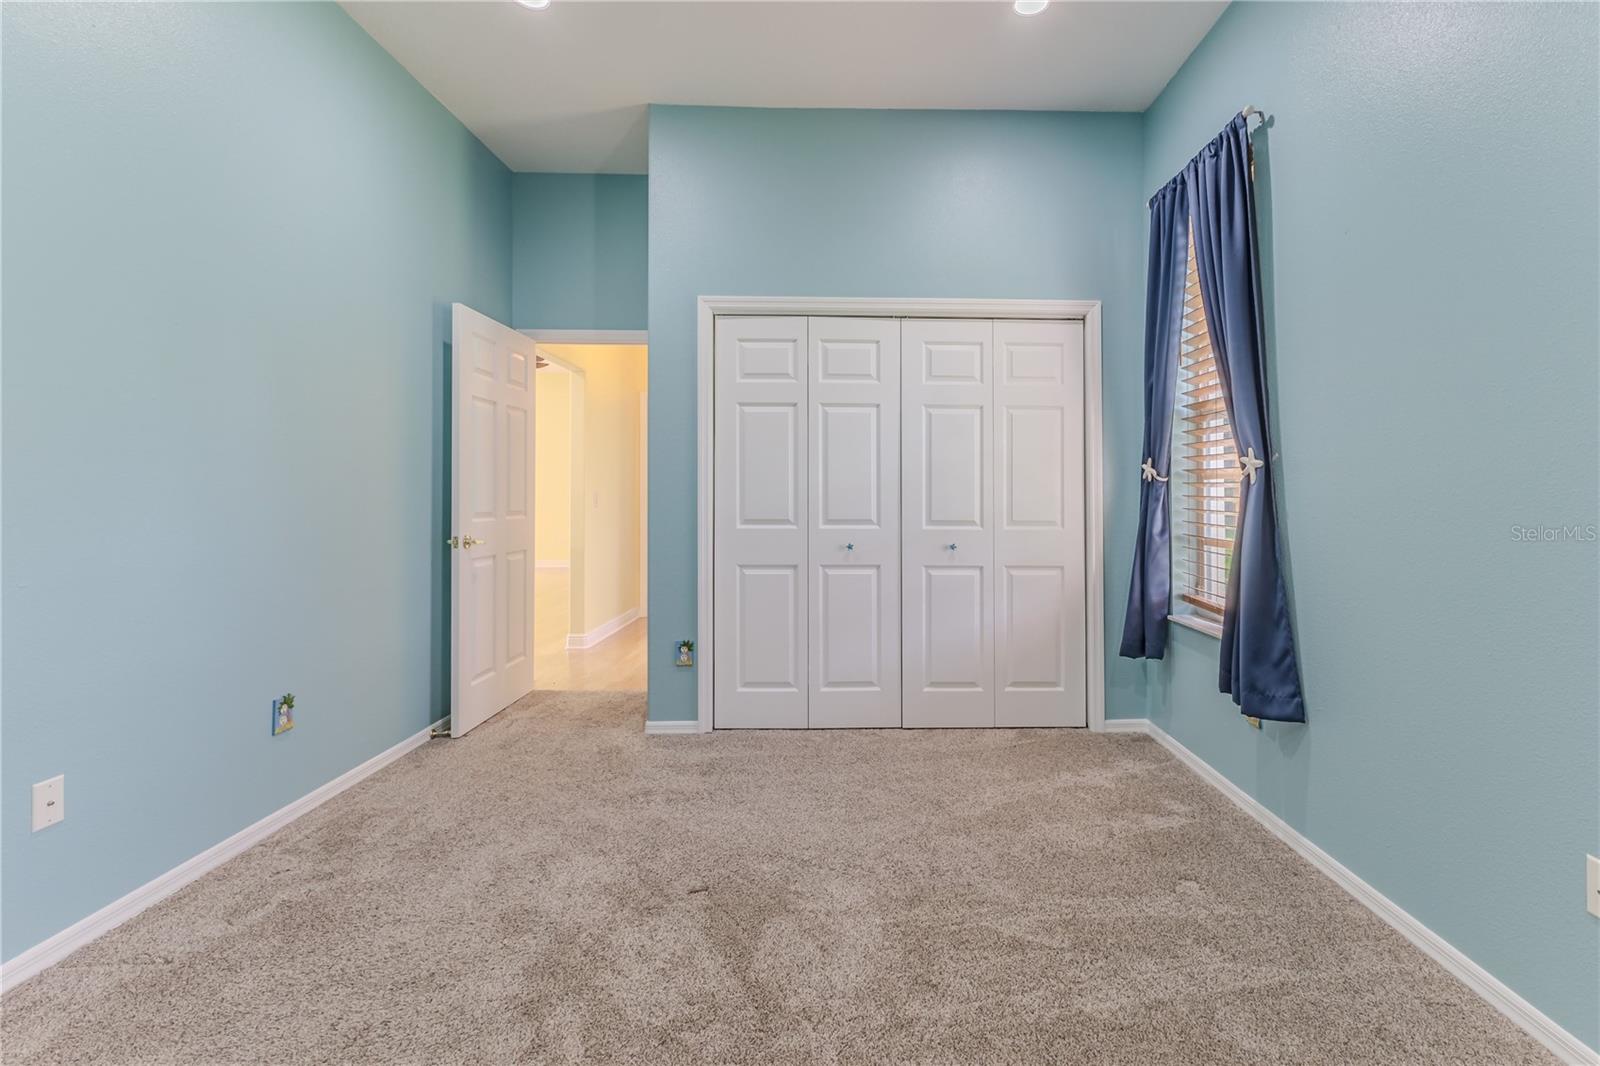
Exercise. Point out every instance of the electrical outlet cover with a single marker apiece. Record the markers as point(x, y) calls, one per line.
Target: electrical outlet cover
point(49, 802)
point(282, 716)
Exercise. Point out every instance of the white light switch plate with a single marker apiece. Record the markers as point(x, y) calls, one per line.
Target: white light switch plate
point(1594, 886)
point(49, 802)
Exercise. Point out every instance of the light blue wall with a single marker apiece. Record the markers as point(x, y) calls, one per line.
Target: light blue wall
point(211, 211)
point(232, 234)
point(873, 203)
point(1430, 233)
point(578, 251)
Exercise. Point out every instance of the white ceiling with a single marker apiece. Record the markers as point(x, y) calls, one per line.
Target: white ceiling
point(565, 89)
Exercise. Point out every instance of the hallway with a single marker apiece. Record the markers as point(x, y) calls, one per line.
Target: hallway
point(616, 664)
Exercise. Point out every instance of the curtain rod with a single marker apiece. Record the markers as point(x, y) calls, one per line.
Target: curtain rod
point(1247, 111)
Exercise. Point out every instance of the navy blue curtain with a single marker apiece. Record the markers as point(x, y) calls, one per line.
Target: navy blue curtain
point(1144, 627)
point(1258, 666)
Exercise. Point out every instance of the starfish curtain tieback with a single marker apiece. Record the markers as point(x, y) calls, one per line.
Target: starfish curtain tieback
point(1149, 471)
point(1249, 464)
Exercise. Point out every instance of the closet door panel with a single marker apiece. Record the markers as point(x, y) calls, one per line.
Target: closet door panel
point(760, 518)
point(1040, 626)
point(854, 480)
point(947, 513)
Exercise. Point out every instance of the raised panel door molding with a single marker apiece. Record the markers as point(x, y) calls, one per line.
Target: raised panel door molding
point(491, 542)
point(854, 368)
point(762, 508)
point(1041, 644)
point(947, 508)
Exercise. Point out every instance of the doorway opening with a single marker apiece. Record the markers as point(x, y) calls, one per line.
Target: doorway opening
point(590, 486)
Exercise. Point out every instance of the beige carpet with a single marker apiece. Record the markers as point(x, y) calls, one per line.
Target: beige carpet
point(557, 887)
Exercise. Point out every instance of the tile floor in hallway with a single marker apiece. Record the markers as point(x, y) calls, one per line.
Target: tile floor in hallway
point(617, 664)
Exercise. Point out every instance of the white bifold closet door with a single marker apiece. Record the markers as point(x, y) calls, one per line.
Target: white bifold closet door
point(760, 524)
point(806, 575)
point(1040, 636)
point(855, 522)
point(898, 523)
point(947, 522)
point(992, 452)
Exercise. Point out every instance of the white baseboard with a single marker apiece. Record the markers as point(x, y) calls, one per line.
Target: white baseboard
point(49, 952)
point(550, 564)
point(1535, 1022)
point(675, 727)
point(580, 641)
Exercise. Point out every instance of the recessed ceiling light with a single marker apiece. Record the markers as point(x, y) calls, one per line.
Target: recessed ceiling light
point(534, 5)
point(1022, 7)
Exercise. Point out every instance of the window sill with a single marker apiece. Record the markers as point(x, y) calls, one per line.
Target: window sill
point(1198, 624)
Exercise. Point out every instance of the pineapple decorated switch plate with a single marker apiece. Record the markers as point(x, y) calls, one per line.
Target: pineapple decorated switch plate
point(283, 714)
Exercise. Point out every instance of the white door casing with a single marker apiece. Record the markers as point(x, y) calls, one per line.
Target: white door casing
point(854, 485)
point(947, 522)
point(759, 578)
point(491, 464)
point(1040, 632)
point(644, 505)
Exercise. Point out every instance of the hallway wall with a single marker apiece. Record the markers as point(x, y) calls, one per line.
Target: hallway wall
point(614, 376)
point(552, 470)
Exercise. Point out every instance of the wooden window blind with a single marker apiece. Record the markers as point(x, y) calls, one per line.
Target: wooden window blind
point(1207, 463)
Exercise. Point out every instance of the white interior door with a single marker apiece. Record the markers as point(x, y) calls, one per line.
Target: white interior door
point(1041, 643)
point(760, 504)
point(491, 464)
point(854, 478)
point(947, 523)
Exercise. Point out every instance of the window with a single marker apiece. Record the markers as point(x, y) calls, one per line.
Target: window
point(1207, 467)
